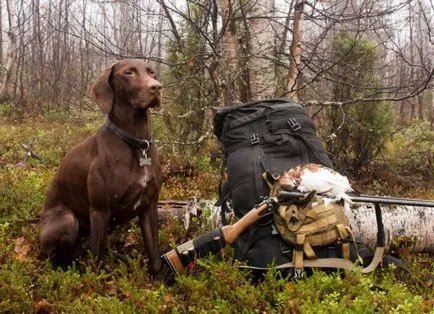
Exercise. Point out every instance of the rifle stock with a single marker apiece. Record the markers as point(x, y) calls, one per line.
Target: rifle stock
point(232, 232)
point(184, 255)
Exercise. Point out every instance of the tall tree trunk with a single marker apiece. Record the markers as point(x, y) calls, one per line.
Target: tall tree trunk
point(279, 71)
point(412, 101)
point(21, 21)
point(261, 67)
point(423, 48)
point(244, 45)
point(36, 71)
point(432, 101)
point(230, 47)
point(11, 51)
point(1, 32)
point(160, 42)
point(295, 50)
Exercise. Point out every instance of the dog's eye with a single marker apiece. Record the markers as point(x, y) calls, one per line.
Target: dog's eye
point(128, 72)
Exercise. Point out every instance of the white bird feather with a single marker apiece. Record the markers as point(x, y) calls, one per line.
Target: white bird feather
point(313, 177)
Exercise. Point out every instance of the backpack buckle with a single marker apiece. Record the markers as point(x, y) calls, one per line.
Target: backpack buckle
point(293, 124)
point(254, 139)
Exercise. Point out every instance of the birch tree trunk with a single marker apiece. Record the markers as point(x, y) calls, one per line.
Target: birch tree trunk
point(412, 59)
point(230, 47)
point(410, 223)
point(431, 110)
point(432, 102)
point(295, 50)
point(160, 42)
point(261, 67)
point(11, 51)
point(127, 44)
point(1, 32)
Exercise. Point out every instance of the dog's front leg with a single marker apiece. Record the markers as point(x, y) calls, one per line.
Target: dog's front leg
point(99, 221)
point(148, 221)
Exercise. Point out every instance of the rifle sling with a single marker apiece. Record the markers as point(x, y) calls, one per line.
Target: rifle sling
point(341, 263)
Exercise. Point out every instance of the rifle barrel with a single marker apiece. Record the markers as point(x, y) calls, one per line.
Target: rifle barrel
point(288, 195)
point(391, 200)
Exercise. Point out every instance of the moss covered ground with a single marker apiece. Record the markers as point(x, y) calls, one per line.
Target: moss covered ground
point(122, 284)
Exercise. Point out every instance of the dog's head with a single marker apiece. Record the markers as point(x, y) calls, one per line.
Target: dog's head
point(129, 81)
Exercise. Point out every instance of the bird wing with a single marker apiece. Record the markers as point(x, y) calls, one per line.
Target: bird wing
point(324, 180)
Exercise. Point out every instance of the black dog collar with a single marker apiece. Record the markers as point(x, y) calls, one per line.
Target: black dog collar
point(132, 141)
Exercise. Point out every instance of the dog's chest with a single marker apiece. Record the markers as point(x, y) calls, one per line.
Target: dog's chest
point(145, 187)
point(134, 193)
point(144, 178)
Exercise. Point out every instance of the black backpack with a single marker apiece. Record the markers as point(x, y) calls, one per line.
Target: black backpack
point(269, 135)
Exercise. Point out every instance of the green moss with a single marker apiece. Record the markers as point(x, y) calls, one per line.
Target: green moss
point(123, 285)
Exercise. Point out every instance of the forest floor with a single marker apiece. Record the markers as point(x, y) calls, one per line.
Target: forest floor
point(122, 284)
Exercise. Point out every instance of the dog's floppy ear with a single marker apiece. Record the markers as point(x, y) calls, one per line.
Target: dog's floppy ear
point(103, 91)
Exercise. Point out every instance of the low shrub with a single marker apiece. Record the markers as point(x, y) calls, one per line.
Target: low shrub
point(411, 151)
point(122, 284)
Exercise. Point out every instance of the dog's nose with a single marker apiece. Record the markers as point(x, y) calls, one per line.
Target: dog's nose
point(155, 86)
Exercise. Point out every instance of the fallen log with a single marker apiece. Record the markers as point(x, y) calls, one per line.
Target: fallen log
point(414, 224)
point(172, 203)
point(171, 209)
point(166, 213)
point(185, 210)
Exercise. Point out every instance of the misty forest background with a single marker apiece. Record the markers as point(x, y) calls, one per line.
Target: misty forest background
point(362, 68)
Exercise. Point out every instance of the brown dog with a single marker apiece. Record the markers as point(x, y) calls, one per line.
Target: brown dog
point(111, 177)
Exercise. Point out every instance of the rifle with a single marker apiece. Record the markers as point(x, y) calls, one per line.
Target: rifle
point(184, 256)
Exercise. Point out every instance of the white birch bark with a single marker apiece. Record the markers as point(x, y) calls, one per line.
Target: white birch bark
point(11, 51)
point(414, 224)
point(230, 48)
point(261, 67)
point(295, 50)
point(432, 101)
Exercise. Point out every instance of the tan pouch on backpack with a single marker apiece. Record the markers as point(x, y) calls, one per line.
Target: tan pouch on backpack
point(318, 223)
point(311, 223)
